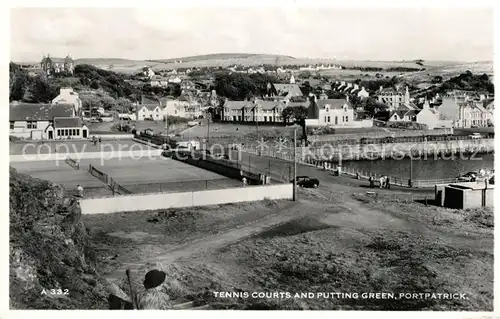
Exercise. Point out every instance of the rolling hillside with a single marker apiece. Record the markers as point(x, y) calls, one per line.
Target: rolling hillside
point(246, 59)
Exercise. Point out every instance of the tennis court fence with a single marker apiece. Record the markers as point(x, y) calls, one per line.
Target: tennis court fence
point(71, 162)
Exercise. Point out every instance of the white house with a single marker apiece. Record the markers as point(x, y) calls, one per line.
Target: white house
point(40, 121)
point(175, 80)
point(148, 72)
point(184, 106)
point(67, 128)
point(68, 96)
point(149, 109)
point(428, 116)
point(363, 93)
point(331, 112)
point(159, 81)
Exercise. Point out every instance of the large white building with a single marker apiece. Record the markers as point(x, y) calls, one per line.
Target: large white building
point(467, 113)
point(68, 96)
point(45, 121)
point(183, 106)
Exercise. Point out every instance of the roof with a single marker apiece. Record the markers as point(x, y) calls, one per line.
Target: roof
point(399, 113)
point(333, 103)
point(150, 107)
point(145, 100)
point(238, 105)
point(289, 89)
point(298, 104)
point(58, 60)
point(39, 112)
point(60, 122)
point(269, 105)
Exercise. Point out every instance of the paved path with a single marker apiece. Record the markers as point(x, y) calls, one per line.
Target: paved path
point(281, 171)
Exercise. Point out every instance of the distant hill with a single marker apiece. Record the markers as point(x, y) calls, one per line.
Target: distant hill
point(222, 56)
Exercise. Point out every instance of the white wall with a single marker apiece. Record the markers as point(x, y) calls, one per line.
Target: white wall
point(187, 199)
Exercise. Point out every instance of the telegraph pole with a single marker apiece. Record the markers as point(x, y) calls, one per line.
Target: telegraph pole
point(209, 117)
point(294, 165)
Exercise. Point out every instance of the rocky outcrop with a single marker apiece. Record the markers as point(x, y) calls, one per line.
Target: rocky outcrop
point(52, 265)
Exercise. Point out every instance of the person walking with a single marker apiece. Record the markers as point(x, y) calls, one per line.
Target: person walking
point(387, 182)
point(244, 180)
point(370, 179)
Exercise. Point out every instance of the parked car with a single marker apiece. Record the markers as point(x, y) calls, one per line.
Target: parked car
point(167, 153)
point(306, 181)
point(468, 177)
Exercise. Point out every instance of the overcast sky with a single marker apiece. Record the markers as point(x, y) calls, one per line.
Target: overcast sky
point(452, 34)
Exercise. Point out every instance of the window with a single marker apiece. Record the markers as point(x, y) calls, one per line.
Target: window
point(11, 125)
point(78, 132)
point(58, 132)
point(328, 119)
point(347, 118)
point(31, 125)
point(66, 132)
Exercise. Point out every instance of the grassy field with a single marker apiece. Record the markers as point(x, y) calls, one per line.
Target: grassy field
point(226, 60)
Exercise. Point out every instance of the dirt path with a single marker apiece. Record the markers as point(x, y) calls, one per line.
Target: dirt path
point(359, 216)
point(220, 240)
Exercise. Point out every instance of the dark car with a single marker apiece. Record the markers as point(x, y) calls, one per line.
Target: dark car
point(306, 181)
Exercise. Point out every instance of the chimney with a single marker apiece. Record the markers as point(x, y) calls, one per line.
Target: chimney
point(482, 97)
point(356, 86)
point(381, 88)
point(426, 105)
point(347, 98)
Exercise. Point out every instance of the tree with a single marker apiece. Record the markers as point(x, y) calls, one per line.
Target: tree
point(299, 115)
point(437, 79)
point(287, 114)
point(18, 85)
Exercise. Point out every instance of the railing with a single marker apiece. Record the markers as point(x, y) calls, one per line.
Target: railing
point(71, 162)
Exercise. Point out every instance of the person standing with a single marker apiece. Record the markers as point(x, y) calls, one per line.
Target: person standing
point(382, 181)
point(370, 179)
point(387, 182)
point(79, 188)
point(244, 180)
point(153, 298)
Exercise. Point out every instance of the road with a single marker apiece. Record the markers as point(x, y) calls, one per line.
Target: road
point(282, 171)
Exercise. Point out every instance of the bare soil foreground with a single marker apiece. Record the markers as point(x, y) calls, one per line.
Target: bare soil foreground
point(320, 244)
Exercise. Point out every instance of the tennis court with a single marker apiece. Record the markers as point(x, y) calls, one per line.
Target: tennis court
point(61, 173)
point(159, 174)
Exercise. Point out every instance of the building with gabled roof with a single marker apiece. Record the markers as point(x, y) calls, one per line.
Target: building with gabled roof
point(149, 109)
point(253, 111)
point(51, 65)
point(285, 91)
point(330, 112)
point(41, 121)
